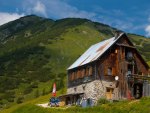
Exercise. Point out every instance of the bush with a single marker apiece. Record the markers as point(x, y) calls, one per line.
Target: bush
point(43, 92)
point(1, 103)
point(19, 100)
point(10, 99)
point(36, 94)
point(102, 101)
point(27, 90)
point(34, 84)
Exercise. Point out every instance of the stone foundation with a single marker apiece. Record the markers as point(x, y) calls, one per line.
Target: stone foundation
point(95, 89)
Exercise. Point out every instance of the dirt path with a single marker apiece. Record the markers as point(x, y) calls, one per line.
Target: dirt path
point(45, 105)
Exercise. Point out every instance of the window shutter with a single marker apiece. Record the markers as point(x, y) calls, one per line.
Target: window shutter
point(87, 71)
point(78, 74)
point(90, 71)
point(113, 71)
point(73, 75)
point(83, 73)
point(70, 76)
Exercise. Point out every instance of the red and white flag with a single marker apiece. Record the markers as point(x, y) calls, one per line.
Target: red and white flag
point(54, 90)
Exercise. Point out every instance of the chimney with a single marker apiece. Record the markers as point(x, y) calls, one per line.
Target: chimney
point(117, 34)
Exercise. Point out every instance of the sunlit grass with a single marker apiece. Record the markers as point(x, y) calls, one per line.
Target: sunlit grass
point(135, 106)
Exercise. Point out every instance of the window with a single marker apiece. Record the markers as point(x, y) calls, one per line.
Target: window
point(107, 89)
point(116, 51)
point(109, 71)
point(130, 68)
point(129, 72)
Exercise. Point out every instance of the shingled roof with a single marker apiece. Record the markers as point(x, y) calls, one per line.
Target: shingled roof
point(94, 52)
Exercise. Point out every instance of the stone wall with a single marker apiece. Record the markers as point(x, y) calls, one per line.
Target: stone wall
point(95, 89)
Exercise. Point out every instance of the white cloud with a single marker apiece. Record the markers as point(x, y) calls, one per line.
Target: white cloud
point(7, 17)
point(34, 7)
point(55, 8)
point(147, 30)
point(40, 8)
point(61, 9)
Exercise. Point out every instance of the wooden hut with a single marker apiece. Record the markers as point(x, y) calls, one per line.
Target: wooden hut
point(112, 69)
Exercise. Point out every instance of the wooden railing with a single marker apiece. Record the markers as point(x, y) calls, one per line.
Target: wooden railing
point(138, 77)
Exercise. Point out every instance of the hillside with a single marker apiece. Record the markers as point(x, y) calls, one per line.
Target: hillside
point(35, 52)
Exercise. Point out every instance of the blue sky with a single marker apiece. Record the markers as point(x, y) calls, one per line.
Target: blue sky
point(128, 15)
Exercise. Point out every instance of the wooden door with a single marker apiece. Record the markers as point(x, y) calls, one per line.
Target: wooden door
point(109, 93)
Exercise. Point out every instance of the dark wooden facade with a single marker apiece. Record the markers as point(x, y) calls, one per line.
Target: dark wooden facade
point(122, 60)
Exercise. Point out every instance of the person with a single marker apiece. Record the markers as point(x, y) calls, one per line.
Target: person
point(54, 102)
point(57, 102)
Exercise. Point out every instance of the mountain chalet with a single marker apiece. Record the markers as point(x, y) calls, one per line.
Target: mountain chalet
point(111, 69)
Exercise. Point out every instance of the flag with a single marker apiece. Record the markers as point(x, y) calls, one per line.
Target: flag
point(54, 90)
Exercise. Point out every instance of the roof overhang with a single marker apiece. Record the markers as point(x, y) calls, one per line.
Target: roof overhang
point(71, 94)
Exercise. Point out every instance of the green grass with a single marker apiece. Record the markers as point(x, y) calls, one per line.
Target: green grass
point(135, 106)
point(142, 44)
point(32, 102)
point(148, 63)
point(39, 100)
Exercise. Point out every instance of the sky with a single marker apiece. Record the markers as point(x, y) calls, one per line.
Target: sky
point(132, 16)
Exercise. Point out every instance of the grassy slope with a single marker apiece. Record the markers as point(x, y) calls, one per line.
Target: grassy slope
point(32, 102)
point(135, 106)
point(142, 44)
point(24, 59)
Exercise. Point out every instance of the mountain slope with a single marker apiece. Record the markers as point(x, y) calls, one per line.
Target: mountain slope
point(35, 52)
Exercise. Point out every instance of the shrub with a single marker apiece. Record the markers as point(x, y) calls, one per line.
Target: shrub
point(28, 90)
point(102, 101)
point(19, 100)
point(10, 99)
point(43, 92)
point(34, 84)
point(36, 93)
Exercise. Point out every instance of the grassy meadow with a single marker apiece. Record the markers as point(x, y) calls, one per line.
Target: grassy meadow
point(134, 106)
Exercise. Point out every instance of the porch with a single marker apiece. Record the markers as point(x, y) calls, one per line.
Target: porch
point(70, 99)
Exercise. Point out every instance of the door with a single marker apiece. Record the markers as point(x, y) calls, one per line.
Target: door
point(138, 90)
point(109, 93)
